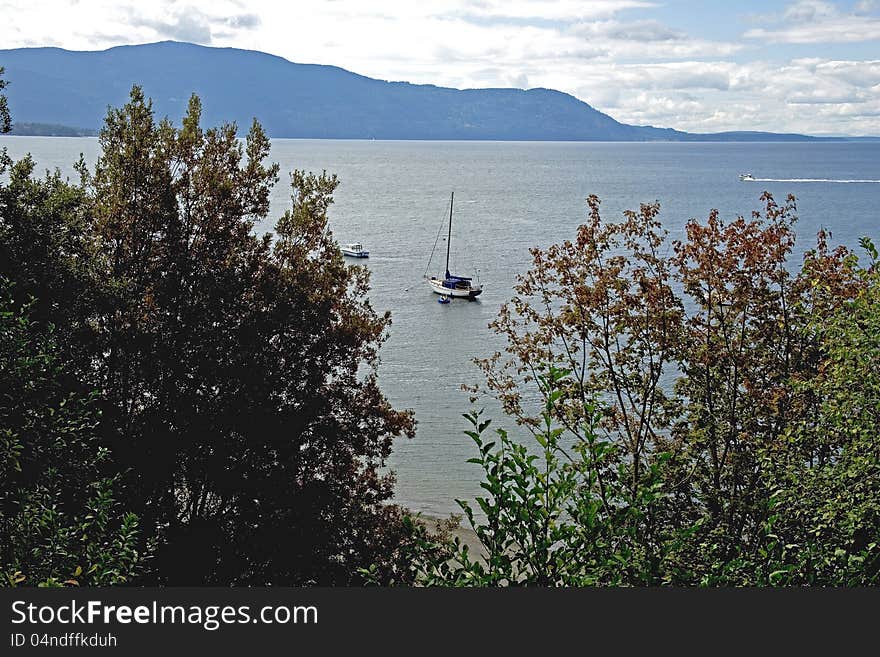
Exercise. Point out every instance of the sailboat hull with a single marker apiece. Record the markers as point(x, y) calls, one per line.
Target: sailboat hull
point(459, 291)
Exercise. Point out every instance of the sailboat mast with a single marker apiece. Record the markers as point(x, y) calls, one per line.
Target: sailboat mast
point(449, 236)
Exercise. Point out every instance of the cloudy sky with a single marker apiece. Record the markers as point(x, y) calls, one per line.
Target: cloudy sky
point(810, 66)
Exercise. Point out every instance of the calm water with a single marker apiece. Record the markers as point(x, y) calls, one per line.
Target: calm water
point(394, 196)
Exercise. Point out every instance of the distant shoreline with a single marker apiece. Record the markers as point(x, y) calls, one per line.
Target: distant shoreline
point(28, 129)
point(67, 131)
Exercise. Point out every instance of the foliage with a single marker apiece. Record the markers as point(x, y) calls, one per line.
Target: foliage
point(60, 519)
point(5, 122)
point(183, 401)
point(233, 361)
point(236, 373)
point(5, 119)
point(709, 415)
point(827, 473)
point(550, 518)
point(45, 247)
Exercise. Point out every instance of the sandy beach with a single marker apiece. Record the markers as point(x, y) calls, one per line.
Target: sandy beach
point(463, 532)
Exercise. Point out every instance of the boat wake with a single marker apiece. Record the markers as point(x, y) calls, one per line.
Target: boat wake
point(809, 180)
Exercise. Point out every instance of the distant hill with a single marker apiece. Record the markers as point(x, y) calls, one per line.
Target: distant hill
point(62, 87)
point(49, 130)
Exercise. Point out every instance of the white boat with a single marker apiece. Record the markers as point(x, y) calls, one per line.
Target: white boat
point(452, 285)
point(355, 250)
point(746, 177)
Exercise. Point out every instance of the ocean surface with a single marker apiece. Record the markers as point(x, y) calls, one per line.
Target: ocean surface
point(509, 196)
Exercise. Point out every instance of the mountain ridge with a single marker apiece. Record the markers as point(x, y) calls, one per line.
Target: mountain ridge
point(306, 100)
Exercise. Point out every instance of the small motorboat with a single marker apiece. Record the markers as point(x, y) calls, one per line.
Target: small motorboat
point(746, 177)
point(354, 250)
point(444, 300)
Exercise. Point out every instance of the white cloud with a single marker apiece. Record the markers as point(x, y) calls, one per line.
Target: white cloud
point(551, 9)
point(814, 21)
point(842, 30)
point(813, 96)
point(646, 40)
point(180, 24)
point(809, 10)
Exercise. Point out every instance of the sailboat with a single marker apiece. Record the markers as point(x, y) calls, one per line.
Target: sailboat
point(453, 285)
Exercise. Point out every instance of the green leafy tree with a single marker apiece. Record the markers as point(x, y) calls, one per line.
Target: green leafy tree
point(601, 308)
point(240, 369)
point(236, 404)
point(697, 423)
point(5, 118)
point(546, 518)
point(5, 122)
point(60, 519)
point(747, 345)
point(46, 249)
point(825, 525)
